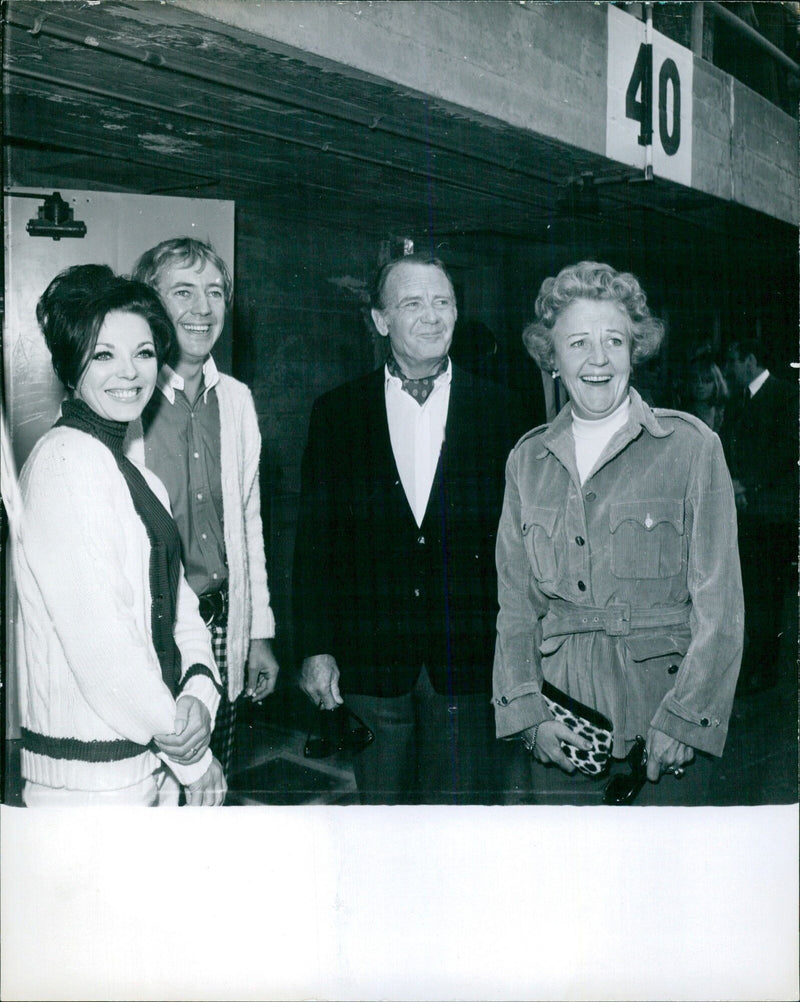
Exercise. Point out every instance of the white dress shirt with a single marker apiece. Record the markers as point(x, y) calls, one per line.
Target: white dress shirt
point(417, 433)
point(758, 382)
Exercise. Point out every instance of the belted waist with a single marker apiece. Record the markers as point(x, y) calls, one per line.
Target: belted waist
point(214, 606)
point(613, 620)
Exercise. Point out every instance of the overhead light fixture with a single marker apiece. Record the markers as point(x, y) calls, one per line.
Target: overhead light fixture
point(55, 219)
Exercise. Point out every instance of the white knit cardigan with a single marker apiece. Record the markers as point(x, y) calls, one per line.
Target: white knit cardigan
point(250, 616)
point(88, 670)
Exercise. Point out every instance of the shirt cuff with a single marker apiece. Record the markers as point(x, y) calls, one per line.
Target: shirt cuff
point(204, 688)
point(262, 626)
point(186, 774)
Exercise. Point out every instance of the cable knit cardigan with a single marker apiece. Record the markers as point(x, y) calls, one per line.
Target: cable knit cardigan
point(91, 691)
point(250, 616)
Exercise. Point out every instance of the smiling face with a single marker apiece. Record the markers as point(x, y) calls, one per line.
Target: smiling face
point(592, 344)
point(195, 300)
point(121, 374)
point(418, 316)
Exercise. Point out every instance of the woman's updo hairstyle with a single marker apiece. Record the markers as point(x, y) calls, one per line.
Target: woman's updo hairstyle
point(591, 280)
point(74, 306)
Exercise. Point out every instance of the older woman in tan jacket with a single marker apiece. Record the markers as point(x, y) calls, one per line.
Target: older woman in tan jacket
point(619, 580)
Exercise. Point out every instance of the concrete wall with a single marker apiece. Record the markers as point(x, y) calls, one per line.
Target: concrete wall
point(536, 66)
point(533, 66)
point(745, 148)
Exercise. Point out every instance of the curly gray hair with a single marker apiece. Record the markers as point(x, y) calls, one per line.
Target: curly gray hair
point(591, 280)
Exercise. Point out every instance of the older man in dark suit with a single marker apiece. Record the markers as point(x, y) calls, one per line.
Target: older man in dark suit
point(395, 585)
point(761, 443)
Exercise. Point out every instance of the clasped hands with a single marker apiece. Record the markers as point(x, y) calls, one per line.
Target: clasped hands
point(192, 732)
point(187, 744)
point(664, 754)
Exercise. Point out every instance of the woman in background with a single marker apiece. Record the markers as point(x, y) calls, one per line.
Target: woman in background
point(117, 676)
point(618, 570)
point(706, 391)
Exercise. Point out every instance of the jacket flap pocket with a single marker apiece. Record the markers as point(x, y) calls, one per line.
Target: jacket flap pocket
point(544, 517)
point(551, 644)
point(656, 646)
point(648, 513)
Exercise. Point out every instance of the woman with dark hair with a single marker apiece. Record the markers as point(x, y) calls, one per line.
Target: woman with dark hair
point(619, 583)
point(117, 679)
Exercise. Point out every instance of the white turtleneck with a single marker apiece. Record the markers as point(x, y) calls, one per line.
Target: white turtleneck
point(591, 437)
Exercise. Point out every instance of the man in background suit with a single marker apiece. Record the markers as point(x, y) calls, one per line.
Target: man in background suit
point(395, 592)
point(761, 443)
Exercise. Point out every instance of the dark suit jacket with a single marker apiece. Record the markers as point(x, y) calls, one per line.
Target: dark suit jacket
point(760, 439)
point(379, 593)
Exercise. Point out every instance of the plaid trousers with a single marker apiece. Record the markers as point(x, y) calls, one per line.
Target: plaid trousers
point(225, 723)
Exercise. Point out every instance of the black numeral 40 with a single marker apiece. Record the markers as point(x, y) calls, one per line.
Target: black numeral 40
point(639, 100)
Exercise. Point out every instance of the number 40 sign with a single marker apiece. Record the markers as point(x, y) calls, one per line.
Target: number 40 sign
point(649, 99)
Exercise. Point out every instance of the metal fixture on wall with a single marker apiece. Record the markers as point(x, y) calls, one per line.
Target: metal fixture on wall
point(55, 219)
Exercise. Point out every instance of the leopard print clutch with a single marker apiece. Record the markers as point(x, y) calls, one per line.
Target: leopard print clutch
point(586, 722)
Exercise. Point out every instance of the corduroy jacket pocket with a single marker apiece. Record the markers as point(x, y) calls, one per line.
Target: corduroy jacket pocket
point(538, 531)
point(647, 538)
point(653, 666)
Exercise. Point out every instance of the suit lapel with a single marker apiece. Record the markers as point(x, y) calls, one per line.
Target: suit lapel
point(458, 433)
point(382, 459)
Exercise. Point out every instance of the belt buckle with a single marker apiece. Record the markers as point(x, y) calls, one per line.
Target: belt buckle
point(618, 623)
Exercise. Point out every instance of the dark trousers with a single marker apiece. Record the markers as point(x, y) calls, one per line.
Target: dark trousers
point(428, 749)
point(767, 551)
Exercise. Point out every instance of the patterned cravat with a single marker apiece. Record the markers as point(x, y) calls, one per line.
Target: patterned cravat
point(419, 389)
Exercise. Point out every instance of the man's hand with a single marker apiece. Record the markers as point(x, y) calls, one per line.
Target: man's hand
point(192, 732)
point(262, 670)
point(209, 790)
point(319, 680)
point(665, 754)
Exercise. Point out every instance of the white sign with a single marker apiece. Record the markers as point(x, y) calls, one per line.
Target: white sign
point(649, 99)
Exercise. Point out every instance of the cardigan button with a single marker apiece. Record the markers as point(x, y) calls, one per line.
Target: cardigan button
point(590, 495)
point(704, 721)
point(581, 586)
point(580, 540)
point(672, 669)
point(503, 701)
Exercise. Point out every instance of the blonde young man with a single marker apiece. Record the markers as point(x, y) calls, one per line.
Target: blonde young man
point(200, 434)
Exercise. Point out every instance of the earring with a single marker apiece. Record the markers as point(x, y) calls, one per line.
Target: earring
point(555, 373)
